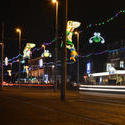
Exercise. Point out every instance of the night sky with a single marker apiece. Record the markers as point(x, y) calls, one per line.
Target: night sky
point(36, 18)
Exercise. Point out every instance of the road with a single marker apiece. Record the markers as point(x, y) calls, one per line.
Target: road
point(32, 106)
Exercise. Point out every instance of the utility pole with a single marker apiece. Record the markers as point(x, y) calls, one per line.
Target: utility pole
point(2, 57)
point(56, 44)
point(64, 81)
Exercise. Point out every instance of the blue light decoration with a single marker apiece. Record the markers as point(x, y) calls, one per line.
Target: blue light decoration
point(97, 38)
point(88, 68)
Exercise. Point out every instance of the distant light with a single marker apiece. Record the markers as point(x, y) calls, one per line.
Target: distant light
point(53, 66)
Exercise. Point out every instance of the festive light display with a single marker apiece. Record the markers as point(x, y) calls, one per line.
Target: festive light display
point(71, 25)
point(46, 53)
point(108, 20)
point(96, 38)
point(40, 63)
point(27, 50)
point(6, 61)
point(9, 72)
point(88, 70)
point(26, 68)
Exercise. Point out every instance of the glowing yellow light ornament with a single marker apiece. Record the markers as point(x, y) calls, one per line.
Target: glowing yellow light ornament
point(71, 25)
point(46, 53)
point(27, 50)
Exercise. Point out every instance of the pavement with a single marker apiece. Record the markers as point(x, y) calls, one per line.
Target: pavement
point(35, 106)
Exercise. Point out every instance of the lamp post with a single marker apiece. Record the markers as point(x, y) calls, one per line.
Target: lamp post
point(56, 47)
point(77, 33)
point(2, 70)
point(2, 57)
point(64, 61)
point(19, 71)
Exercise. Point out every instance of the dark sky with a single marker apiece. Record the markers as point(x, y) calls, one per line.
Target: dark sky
point(36, 18)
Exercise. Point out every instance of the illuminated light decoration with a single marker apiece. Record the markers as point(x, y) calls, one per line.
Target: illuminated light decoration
point(45, 78)
point(46, 53)
point(108, 20)
point(6, 61)
point(40, 63)
point(23, 61)
point(26, 68)
point(88, 68)
point(71, 25)
point(9, 72)
point(27, 50)
point(96, 38)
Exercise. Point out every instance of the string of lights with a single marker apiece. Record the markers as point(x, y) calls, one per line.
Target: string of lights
point(86, 56)
point(107, 20)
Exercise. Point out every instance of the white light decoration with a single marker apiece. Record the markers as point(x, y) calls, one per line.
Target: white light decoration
point(88, 68)
point(27, 70)
point(40, 63)
point(97, 38)
point(6, 61)
point(9, 72)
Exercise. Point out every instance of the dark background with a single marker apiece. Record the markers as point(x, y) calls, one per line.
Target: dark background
point(36, 18)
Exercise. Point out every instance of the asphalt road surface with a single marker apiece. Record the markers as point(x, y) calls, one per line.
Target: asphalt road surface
point(32, 106)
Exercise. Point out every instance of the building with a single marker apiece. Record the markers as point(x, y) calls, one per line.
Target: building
point(114, 67)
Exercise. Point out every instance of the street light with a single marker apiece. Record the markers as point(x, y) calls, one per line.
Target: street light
point(56, 35)
point(77, 33)
point(2, 69)
point(19, 31)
